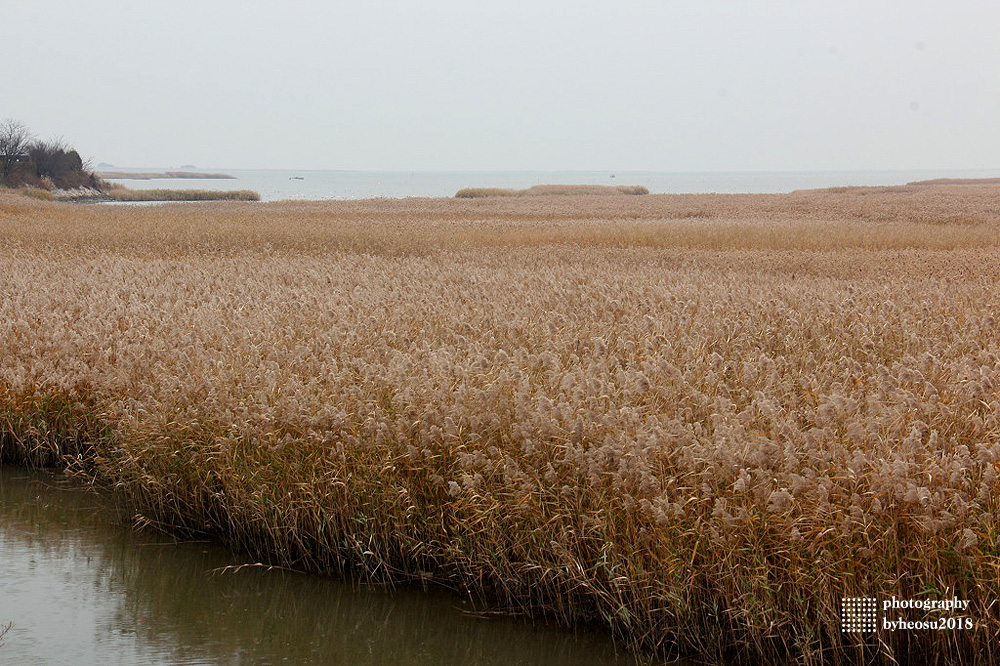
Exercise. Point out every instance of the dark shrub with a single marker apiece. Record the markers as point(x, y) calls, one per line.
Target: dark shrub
point(57, 161)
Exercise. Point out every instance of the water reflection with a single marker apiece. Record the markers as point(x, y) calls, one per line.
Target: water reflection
point(81, 587)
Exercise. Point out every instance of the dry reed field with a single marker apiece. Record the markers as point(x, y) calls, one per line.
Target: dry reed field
point(697, 420)
point(549, 190)
point(121, 193)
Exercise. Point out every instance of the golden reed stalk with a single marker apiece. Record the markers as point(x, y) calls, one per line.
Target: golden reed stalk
point(699, 420)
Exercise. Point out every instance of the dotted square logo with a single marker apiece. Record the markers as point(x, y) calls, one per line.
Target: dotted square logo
point(858, 615)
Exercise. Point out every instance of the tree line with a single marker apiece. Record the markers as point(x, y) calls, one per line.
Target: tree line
point(48, 164)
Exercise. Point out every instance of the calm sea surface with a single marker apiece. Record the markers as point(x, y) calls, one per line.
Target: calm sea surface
point(279, 185)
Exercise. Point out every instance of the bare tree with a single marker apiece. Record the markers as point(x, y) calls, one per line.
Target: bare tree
point(14, 139)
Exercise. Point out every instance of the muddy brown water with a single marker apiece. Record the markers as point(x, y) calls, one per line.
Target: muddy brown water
point(81, 587)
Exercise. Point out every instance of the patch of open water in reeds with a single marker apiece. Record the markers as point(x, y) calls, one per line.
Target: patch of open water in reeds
point(81, 587)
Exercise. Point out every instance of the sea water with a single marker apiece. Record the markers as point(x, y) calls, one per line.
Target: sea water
point(278, 185)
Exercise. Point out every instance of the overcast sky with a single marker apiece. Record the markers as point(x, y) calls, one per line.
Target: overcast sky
point(659, 85)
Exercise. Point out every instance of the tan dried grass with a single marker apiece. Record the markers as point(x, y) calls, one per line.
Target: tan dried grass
point(551, 190)
point(126, 194)
point(701, 433)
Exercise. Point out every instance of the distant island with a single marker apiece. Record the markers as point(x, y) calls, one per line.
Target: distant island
point(150, 175)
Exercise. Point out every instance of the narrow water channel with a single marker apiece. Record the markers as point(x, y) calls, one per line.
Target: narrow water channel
point(81, 587)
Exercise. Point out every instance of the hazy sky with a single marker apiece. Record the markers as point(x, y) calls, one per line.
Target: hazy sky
point(659, 85)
